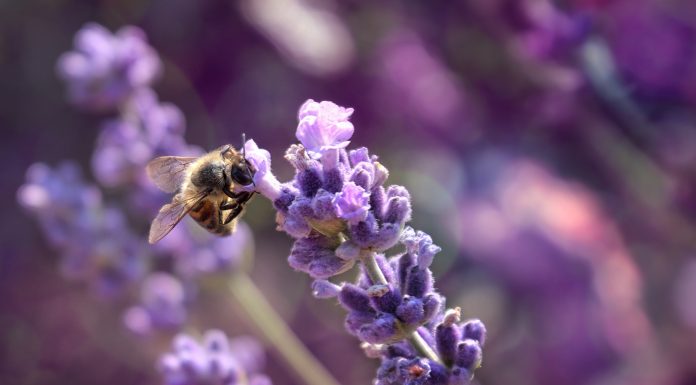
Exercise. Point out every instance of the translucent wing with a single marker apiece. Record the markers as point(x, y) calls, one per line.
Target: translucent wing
point(170, 214)
point(169, 172)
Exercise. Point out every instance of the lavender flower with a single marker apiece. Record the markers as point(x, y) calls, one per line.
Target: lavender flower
point(162, 305)
point(352, 203)
point(216, 360)
point(384, 312)
point(146, 129)
point(105, 68)
point(96, 244)
point(340, 212)
point(196, 252)
point(324, 126)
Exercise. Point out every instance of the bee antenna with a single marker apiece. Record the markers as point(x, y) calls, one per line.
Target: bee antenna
point(245, 161)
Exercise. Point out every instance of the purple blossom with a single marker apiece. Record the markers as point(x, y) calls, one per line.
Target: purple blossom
point(196, 252)
point(322, 288)
point(460, 356)
point(95, 243)
point(161, 307)
point(104, 69)
point(352, 203)
point(323, 126)
point(216, 360)
point(373, 304)
point(340, 213)
point(146, 129)
point(420, 245)
point(315, 255)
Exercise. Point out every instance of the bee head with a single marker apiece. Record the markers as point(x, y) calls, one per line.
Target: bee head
point(241, 173)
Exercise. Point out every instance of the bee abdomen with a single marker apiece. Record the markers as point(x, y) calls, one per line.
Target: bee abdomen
point(205, 213)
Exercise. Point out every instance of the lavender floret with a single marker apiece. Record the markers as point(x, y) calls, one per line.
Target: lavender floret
point(105, 68)
point(95, 242)
point(216, 360)
point(162, 305)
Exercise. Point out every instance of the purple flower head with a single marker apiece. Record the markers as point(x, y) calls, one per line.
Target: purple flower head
point(322, 288)
point(56, 197)
point(380, 313)
point(196, 252)
point(101, 251)
point(340, 213)
point(104, 68)
point(216, 360)
point(162, 305)
point(352, 203)
point(459, 356)
point(316, 256)
point(323, 126)
point(95, 242)
point(402, 371)
point(146, 129)
point(420, 245)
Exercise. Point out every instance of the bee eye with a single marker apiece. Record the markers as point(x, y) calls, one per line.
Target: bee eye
point(241, 175)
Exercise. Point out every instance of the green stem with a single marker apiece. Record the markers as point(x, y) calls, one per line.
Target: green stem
point(277, 333)
point(423, 348)
point(373, 269)
point(414, 338)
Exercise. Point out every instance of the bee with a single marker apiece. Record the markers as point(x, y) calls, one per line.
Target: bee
point(203, 188)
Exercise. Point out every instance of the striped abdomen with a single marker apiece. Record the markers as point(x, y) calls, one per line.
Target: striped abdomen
point(207, 214)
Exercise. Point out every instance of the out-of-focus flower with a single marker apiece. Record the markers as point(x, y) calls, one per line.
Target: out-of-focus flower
point(96, 244)
point(216, 360)
point(683, 294)
point(665, 69)
point(56, 197)
point(418, 85)
point(105, 68)
point(550, 242)
point(197, 252)
point(146, 129)
point(161, 307)
point(314, 40)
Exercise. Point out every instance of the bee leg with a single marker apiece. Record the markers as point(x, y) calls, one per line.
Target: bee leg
point(241, 197)
point(224, 206)
point(229, 205)
point(236, 206)
point(233, 214)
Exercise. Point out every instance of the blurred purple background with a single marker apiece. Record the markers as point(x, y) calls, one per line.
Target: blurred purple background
point(550, 149)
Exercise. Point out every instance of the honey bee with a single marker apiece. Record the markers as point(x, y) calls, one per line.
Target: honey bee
point(203, 188)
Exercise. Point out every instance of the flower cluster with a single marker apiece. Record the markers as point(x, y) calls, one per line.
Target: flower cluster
point(105, 68)
point(97, 246)
point(458, 346)
point(340, 212)
point(215, 361)
point(385, 312)
point(162, 305)
point(145, 129)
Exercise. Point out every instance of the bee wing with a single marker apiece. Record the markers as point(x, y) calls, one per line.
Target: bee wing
point(169, 172)
point(170, 214)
